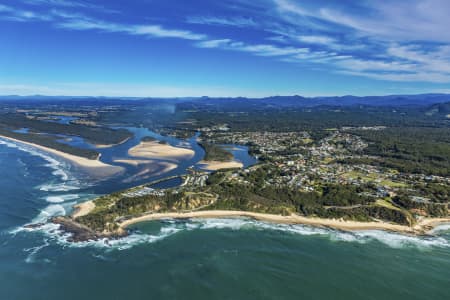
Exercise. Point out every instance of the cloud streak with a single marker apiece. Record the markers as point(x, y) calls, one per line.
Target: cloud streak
point(393, 40)
point(222, 21)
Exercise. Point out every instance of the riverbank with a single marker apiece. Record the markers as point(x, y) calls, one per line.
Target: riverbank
point(424, 225)
point(103, 146)
point(92, 166)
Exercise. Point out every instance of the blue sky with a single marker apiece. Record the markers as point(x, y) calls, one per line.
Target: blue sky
point(166, 48)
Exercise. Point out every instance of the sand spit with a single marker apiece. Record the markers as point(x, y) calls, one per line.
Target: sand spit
point(93, 166)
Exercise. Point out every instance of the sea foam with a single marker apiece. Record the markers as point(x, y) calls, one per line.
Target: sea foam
point(60, 167)
point(390, 239)
point(62, 198)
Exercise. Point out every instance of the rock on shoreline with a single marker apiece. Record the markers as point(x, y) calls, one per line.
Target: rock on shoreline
point(81, 233)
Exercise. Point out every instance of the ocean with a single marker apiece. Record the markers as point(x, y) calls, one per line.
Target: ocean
point(196, 259)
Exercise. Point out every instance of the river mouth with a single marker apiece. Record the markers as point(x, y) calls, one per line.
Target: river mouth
point(156, 168)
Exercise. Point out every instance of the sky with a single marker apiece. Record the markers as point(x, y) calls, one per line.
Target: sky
point(250, 48)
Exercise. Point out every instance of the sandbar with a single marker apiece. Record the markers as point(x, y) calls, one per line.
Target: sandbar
point(149, 168)
point(218, 165)
point(160, 151)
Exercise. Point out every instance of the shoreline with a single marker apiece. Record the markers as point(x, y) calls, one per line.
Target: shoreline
point(90, 165)
point(214, 165)
point(424, 225)
point(102, 146)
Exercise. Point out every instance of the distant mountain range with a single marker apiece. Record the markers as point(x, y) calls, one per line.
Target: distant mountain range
point(276, 101)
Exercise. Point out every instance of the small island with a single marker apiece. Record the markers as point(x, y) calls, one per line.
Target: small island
point(217, 158)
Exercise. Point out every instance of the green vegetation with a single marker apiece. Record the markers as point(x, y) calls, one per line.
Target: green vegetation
point(331, 201)
point(105, 216)
point(215, 152)
point(428, 208)
point(118, 206)
point(50, 142)
point(353, 162)
point(94, 135)
point(409, 149)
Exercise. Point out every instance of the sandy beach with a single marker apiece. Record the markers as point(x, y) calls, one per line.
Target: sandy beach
point(218, 165)
point(91, 165)
point(423, 226)
point(156, 150)
point(82, 209)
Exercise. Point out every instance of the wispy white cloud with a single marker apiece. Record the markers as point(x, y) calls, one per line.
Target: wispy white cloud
point(400, 20)
point(288, 6)
point(226, 21)
point(144, 30)
point(316, 39)
point(78, 21)
point(437, 60)
point(393, 40)
point(257, 49)
point(406, 63)
point(5, 8)
point(20, 15)
point(70, 4)
point(158, 31)
point(67, 3)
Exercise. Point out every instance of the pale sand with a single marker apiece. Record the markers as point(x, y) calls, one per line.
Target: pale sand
point(82, 209)
point(218, 165)
point(134, 162)
point(85, 163)
point(430, 223)
point(151, 168)
point(422, 227)
point(160, 151)
point(102, 146)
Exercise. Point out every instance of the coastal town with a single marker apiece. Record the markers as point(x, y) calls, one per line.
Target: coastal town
point(289, 163)
point(298, 162)
point(348, 173)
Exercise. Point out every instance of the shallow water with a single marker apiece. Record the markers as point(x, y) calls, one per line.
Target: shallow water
point(196, 259)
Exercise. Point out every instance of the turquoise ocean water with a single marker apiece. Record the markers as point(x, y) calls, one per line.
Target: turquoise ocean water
point(196, 259)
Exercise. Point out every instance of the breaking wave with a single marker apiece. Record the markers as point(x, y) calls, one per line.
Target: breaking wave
point(390, 239)
point(171, 227)
point(59, 167)
point(62, 198)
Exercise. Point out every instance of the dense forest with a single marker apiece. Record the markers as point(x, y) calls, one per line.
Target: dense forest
point(94, 135)
point(215, 153)
point(50, 142)
point(424, 150)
